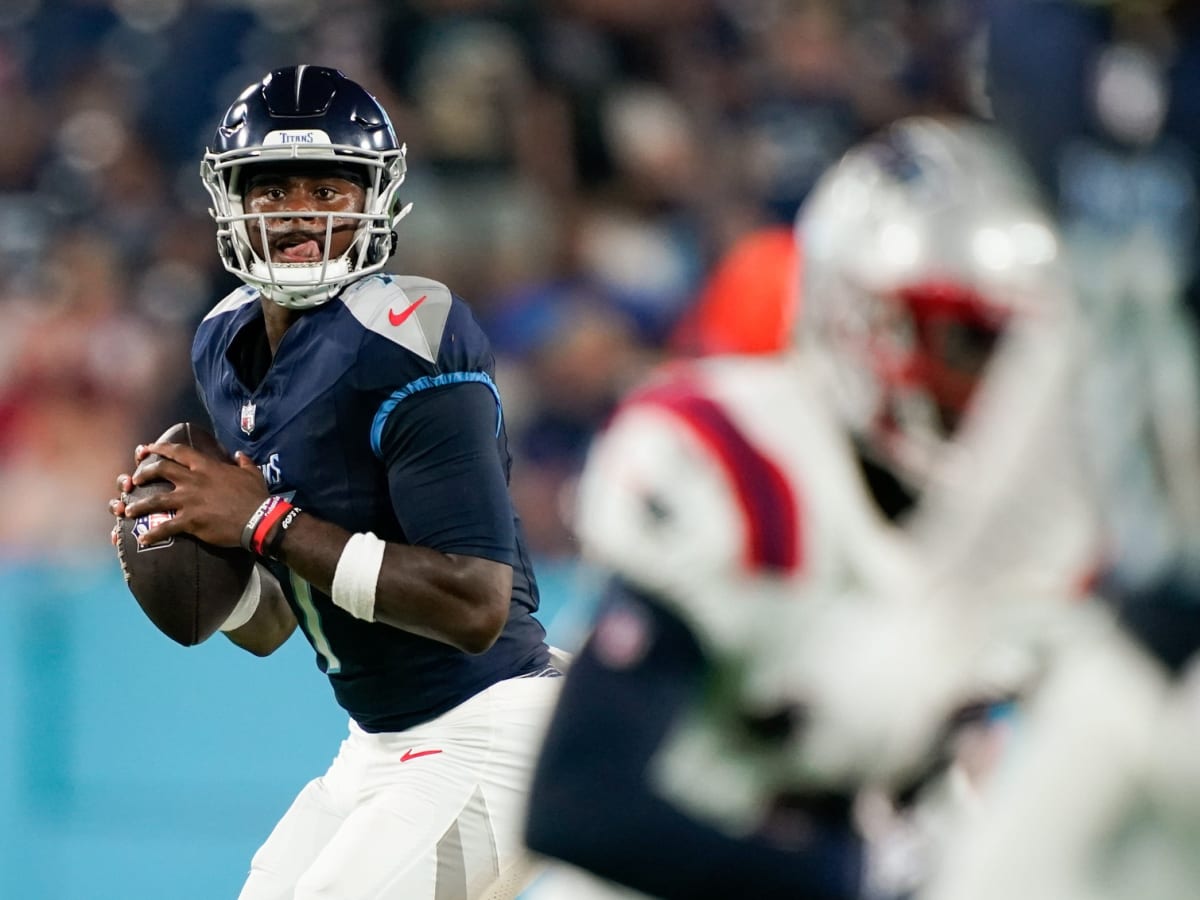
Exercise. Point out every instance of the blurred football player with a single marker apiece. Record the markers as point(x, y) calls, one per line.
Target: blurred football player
point(806, 549)
point(1101, 798)
point(371, 483)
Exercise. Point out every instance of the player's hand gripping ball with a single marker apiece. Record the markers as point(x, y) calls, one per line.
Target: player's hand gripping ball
point(185, 586)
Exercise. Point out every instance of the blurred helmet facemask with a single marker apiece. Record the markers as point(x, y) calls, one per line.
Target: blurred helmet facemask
point(310, 116)
point(925, 249)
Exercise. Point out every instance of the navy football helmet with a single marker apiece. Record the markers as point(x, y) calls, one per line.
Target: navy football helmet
point(305, 114)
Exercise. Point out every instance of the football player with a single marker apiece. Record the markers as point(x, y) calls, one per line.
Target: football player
point(811, 553)
point(371, 484)
point(1102, 797)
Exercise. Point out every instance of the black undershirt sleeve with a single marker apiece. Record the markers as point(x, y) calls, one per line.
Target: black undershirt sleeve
point(592, 804)
point(445, 475)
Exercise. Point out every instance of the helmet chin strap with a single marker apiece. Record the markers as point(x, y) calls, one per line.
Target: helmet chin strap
point(311, 284)
point(299, 302)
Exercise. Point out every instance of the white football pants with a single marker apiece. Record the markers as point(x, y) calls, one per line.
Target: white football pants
point(432, 813)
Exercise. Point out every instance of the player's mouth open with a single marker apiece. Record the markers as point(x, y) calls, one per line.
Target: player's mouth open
point(297, 248)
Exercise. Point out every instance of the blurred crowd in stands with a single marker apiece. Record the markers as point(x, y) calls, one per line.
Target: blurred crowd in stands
point(578, 168)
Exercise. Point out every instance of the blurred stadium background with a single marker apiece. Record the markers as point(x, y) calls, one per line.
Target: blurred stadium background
point(578, 168)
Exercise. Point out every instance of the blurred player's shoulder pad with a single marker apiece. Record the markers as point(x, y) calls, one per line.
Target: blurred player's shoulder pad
point(406, 309)
point(722, 478)
point(660, 497)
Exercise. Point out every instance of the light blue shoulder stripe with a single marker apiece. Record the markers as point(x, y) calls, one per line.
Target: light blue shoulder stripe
point(421, 384)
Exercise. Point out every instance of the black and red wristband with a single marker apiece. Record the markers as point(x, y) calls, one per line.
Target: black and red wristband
point(252, 523)
point(270, 517)
point(274, 538)
point(265, 530)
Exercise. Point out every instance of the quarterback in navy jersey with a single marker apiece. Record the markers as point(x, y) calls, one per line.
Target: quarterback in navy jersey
point(371, 483)
point(335, 421)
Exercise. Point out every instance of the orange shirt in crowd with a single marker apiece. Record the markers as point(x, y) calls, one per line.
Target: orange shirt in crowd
point(749, 301)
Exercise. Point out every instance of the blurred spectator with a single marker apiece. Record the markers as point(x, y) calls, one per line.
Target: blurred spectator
point(748, 303)
point(482, 126)
point(80, 376)
point(601, 156)
point(565, 355)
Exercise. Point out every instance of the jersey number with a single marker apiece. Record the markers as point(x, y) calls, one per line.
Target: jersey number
point(312, 624)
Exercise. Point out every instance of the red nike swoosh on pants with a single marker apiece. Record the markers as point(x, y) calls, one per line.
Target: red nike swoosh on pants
point(408, 754)
point(397, 318)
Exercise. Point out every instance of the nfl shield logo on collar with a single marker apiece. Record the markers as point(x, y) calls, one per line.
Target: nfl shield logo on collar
point(247, 417)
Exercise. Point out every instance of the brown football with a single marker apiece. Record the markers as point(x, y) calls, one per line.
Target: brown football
point(186, 587)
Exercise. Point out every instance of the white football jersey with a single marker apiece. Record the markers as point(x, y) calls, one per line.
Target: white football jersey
point(721, 484)
point(724, 489)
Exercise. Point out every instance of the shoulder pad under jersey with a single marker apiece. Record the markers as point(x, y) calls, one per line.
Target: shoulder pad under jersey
point(406, 309)
point(678, 501)
point(235, 299)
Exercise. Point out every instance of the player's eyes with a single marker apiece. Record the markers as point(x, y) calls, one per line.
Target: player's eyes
point(329, 193)
point(322, 194)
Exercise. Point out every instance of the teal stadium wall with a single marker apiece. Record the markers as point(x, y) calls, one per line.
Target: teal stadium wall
point(135, 769)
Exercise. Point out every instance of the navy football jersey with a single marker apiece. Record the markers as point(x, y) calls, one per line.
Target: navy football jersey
point(379, 413)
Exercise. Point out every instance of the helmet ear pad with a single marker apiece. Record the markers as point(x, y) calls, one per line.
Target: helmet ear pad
point(225, 246)
point(382, 247)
